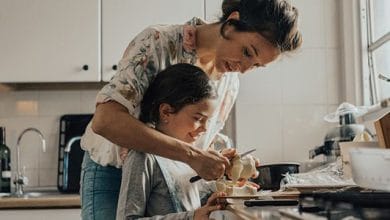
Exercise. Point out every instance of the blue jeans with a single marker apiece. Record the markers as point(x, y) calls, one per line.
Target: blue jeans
point(99, 190)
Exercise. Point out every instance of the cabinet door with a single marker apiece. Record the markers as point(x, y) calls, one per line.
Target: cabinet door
point(213, 10)
point(40, 214)
point(49, 41)
point(122, 20)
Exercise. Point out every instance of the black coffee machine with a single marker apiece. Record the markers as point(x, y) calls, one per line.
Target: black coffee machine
point(345, 131)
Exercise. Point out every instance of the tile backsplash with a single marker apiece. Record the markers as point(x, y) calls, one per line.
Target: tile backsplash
point(42, 110)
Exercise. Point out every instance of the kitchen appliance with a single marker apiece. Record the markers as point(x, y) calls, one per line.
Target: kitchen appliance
point(352, 203)
point(345, 131)
point(271, 175)
point(70, 154)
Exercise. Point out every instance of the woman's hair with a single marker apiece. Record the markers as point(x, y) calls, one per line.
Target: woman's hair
point(275, 20)
point(178, 85)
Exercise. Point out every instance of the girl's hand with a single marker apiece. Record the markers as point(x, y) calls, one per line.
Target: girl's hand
point(257, 164)
point(214, 203)
point(241, 182)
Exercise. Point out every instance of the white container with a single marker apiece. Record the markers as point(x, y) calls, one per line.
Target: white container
point(371, 167)
point(345, 156)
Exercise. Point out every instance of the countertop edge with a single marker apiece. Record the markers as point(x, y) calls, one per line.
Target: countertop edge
point(69, 201)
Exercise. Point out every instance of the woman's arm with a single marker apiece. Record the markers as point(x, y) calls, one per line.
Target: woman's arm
point(112, 121)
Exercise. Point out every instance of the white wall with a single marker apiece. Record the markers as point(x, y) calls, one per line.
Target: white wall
point(280, 108)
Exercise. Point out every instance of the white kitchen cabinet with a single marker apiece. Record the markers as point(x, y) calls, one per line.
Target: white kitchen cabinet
point(81, 41)
point(77, 41)
point(40, 214)
point(122, 20)
point(213, 10)
point(49, 41)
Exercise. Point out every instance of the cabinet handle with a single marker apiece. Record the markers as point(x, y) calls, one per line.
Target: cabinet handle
point(85, 67)
point(115, 67)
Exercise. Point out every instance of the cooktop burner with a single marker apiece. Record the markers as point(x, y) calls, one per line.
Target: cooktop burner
point(354, 203)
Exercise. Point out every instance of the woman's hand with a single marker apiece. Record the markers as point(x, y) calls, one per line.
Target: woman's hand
point(210, 165)
point(229, 153)
point(214, 203)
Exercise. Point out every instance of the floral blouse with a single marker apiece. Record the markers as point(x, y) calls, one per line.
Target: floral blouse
point(151, 51)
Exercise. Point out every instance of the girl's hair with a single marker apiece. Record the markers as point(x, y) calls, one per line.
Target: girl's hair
point(178, 85)
point(275, 20)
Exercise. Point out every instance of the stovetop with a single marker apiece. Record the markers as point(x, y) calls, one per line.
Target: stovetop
point(353, 203)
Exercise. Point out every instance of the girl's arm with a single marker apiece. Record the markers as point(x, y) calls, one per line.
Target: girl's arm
point(172, 216)
point(142, 188)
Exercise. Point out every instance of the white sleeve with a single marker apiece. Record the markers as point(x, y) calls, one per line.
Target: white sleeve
point(136, 69)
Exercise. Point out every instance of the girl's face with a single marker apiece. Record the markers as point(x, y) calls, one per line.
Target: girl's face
point(187, 124)
point(243, 51)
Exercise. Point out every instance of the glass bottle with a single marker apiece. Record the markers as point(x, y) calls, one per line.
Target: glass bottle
point(5, 168)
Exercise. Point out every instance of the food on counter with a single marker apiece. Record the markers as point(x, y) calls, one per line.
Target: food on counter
point(242, 169)
point(237, 189)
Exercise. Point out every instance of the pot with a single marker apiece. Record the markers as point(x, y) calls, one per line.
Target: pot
point(270, 175)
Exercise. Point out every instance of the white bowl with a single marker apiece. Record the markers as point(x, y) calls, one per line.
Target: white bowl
point(371, 167)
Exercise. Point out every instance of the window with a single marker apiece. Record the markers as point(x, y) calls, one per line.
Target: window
point(376, 50)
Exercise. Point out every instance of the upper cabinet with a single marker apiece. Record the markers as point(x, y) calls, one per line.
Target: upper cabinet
point(49, 41)
point(77, 41)
point(122, 20)
point(213, 10)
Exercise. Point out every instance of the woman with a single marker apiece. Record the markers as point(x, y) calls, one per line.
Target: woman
point(250, 34)
point(178, 103)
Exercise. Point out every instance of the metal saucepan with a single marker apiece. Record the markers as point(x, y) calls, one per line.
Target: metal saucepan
point(270, 175)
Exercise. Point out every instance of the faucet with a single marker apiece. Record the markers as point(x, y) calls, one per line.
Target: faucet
point(66, 158)
point(20, 179)
point(70, 143)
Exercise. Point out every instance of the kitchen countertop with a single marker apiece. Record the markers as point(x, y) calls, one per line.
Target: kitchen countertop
point(55, 199)
point(236, 210)
point(41, 200)
point(241, 212)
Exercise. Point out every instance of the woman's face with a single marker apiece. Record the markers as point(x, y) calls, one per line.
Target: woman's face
point(243, 51)
point(188, 123)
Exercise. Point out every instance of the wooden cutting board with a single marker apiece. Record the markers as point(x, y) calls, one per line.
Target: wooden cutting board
point(382, 128)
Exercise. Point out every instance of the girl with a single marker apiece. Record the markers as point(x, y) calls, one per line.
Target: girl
point(179, 103)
